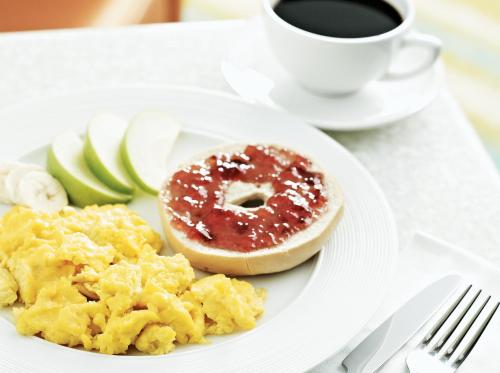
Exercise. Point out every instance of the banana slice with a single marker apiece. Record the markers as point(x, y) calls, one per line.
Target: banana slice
point(30, 185)
point(6, 167)
point(11, 182)
point(40, 191)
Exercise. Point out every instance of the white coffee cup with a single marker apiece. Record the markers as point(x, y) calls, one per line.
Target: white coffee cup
point(330, 65)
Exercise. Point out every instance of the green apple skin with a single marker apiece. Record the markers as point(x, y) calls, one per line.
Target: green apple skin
point(145, 148)
point(100, 170)
point(79, 193)
point(131, 171)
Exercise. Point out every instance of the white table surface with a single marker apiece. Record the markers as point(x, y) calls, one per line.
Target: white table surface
point(432, 167)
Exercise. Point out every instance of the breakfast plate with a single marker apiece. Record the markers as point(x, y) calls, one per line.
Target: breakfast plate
point(311, 311)
point(252, 70)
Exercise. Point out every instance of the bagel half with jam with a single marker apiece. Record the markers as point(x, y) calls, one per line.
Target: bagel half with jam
point(249, 209)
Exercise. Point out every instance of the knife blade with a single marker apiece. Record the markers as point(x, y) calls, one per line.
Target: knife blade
point(389, 337)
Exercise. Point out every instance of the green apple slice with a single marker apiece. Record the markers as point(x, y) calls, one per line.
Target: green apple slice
point(102, 151)
point(66, 163)
point(145, 148)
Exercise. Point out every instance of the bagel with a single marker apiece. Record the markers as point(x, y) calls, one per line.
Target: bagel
point(238, 198)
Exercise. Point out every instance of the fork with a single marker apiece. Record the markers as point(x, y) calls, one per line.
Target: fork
point(454, 335)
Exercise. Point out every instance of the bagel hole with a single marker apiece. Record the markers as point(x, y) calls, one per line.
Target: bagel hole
point(248, 196)
point(252, 203)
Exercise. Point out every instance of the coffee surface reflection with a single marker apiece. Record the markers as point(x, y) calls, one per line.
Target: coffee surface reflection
point(340, 18)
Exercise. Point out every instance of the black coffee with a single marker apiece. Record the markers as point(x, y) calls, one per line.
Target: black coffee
point(340, 18)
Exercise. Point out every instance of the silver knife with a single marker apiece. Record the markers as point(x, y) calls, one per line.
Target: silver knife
point(389, 337)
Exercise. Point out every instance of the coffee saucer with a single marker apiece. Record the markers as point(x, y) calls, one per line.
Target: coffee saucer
point(253, 72)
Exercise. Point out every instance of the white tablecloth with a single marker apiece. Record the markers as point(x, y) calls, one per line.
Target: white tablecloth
point(432, 167)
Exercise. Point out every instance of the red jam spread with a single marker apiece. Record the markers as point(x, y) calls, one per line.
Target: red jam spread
point(195, 197)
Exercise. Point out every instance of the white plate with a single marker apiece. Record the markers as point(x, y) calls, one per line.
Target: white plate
point(311, 311)
point(254, 73)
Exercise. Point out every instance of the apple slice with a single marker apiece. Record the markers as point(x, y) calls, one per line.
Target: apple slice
point(145, 148)
point(66, 163)
point(102, 151)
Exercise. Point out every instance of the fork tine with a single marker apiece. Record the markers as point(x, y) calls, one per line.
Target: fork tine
point(465, 329)
point(470, 346)
point(455, 324)
point(429, 336)
point(443, 339)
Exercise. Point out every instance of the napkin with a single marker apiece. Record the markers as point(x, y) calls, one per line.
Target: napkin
point(425, 260)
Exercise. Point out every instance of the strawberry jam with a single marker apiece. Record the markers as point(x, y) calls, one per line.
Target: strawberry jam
point(195, 196)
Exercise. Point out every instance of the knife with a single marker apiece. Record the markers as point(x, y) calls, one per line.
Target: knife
point(389, 337)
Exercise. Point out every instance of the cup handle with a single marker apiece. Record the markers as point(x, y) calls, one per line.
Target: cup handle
point(424, 41)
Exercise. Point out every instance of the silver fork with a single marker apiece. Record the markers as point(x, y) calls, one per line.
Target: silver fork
point(454, 335)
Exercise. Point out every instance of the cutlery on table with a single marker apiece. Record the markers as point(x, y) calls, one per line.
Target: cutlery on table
point(451, 340)
point(389, 337)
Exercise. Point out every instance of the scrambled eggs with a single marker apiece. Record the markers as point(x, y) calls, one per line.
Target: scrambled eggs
point(93, 278)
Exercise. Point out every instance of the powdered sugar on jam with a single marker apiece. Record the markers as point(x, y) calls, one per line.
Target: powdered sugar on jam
point(195, 198)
